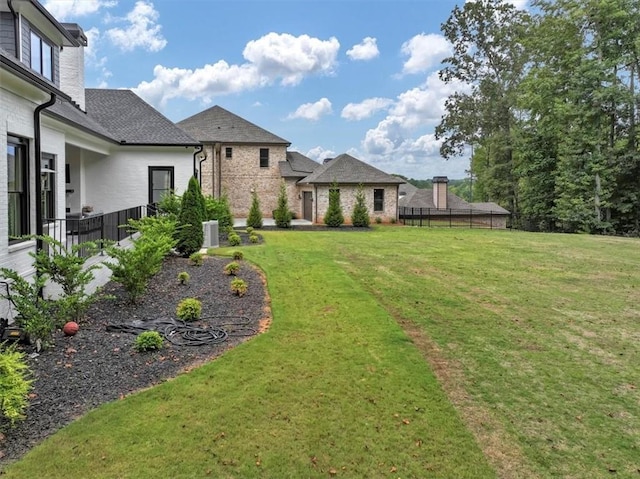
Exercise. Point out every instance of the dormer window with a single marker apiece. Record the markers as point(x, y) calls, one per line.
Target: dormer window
point(41, 56)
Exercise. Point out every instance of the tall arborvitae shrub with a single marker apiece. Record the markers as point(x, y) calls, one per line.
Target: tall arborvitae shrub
point(360, 215)
point(255, 216)
point(334, 217)
point(192, 212)
point(282, 214)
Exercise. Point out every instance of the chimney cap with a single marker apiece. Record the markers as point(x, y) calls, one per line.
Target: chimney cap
point(440, 179)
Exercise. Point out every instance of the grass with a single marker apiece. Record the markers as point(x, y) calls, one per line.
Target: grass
point(403, 352)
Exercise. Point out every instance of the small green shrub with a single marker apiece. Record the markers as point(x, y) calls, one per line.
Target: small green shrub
point(249, 229)
point(378, 220)
point(234, 239)
point(189, 309)
point(393, 221)
point(169, 204)
point(254, 238)
point(218, 209)
point(239, 286)
point(255, 215)
point(231, 269)
point(238, 255)
point(196, 259)
point(148, 341)
point(14, 384)
point(183, 277)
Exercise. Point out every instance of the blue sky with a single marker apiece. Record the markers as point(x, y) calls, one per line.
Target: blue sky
point(331, 77)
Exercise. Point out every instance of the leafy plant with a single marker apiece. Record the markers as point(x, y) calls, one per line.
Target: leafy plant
point(254, 238)
point(196, 259)
point(334, 217)
point(219, 209)
point(189, 309)
point(282, 215)
point(192, 214)
point(234, 239)
point(239, 286)
point(249, 229)
point(183, 277)
point(360, 215)
point(238, 255)
point(148, 341)
point(255, 215)
point(231, 269)
point(378, 220)
point(14, 383)
point(169, 204)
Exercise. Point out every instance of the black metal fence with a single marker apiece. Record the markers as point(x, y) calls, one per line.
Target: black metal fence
point(452, 218)
point(98, 227)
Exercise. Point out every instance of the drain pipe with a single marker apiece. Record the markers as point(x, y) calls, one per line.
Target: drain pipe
point(38, 166)
point(16, 28)
point(195, 153)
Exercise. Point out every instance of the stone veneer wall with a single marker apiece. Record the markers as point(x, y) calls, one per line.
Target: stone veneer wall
point(348, 200)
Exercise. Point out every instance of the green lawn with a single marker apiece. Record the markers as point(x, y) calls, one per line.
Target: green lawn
point(402, 352)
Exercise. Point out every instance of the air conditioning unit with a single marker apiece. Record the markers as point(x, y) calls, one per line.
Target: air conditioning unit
point(211, 239)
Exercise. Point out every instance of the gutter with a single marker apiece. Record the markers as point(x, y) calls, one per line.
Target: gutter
point(38, 166)
point(199, 169)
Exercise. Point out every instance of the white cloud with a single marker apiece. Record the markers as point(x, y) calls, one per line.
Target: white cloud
point(312, 111)
point(365, 109)
point(93, 61)
point(318, 154)
point(424, 52)
point(366, 50)
point(292, 58)
point(65, 9)
point(141, 31)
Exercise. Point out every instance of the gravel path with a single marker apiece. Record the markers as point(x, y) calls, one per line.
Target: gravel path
point(96, 366)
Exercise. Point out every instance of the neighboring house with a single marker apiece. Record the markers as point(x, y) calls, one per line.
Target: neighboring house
point(438, 203)
point(348, 173)
point(239, 158)
point(65, 148)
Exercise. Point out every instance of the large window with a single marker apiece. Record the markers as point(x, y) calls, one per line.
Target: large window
point(41, 56)
point(48, 182)
point(264, 157)
point(378, 200)
point(160, 182)
point(18, 188)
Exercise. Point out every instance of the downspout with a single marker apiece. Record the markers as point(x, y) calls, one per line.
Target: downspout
point(218, 155)
point(195, 170)
point(315, 203)
point(38, 164)
point(16, 29)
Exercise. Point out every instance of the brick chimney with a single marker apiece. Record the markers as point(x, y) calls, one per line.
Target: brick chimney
point(440, 192)
point(72, 66)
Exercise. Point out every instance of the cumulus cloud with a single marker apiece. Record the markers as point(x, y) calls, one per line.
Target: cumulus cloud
point(318, 154)
point(93, 60)
point(65, 9)
point(291, 58)
point(141, 29)
point(424, 51)
point(365, 50)
point(312, 111)
point(365, 109)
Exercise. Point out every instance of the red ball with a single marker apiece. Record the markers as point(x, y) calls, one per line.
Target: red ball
point(70, 328)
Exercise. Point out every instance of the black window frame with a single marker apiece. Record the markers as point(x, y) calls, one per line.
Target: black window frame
point(264, 157)
point(378, 203)
point(48, 198)
point(153, 169)
point(228, 152)
point(21, 154)
point(41, 43)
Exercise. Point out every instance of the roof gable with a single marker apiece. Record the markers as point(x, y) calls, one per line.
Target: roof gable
point(347, 169)
point(217, 125)
point(297, 165)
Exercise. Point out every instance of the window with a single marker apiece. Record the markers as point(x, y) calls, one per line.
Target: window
point(18, 188)
point(264, 157)
point(160, 182)
point(41, 56)
point(47, 178)
point(228, 151)
point(378, 200)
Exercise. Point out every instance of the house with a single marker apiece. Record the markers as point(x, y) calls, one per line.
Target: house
point(439, 205)
point(240, 158)
point(69, 149)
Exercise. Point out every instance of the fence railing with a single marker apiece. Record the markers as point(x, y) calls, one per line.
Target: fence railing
point(452, 218)
point(98, 227)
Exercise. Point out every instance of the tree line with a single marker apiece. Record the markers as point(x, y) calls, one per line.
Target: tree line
point(546, 101)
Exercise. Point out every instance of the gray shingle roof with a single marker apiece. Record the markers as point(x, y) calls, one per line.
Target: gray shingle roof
point(423, 198)
point(297, 165)
point(71, 114)
point(217, 125)
point(131, 120)
point(490, 206)
point(347, 169)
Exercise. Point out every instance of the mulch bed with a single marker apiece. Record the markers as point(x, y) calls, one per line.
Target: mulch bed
point(96, 366)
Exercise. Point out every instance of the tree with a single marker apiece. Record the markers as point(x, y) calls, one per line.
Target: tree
point(360, 215)
point(282, 214)
point(192, 211)
point(334, 217)
point(255, 215)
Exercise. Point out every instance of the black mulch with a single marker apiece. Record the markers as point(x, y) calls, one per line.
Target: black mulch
point(96, 366)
